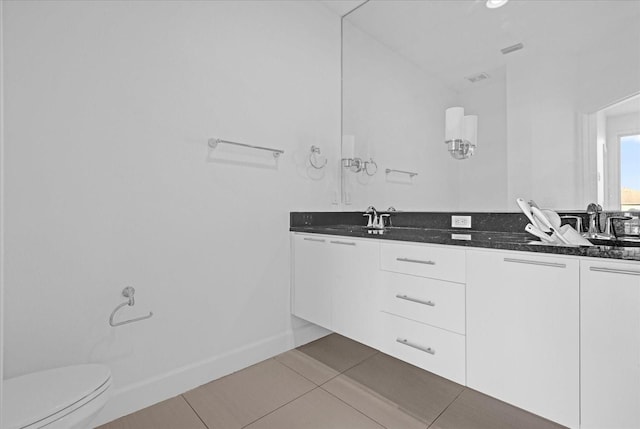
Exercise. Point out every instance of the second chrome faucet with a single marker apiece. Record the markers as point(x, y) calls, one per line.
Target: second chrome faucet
point(376, 220)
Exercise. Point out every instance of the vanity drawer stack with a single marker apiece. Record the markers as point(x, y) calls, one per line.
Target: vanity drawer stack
point(423, 307)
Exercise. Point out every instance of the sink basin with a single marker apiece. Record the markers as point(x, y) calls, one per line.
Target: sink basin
point(618, 242)
point(344, 228)
point(540, 243)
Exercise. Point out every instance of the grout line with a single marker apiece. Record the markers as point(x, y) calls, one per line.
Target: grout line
point(339, 373)
point(281, 406)
point(361, 362)
point(351, 367)
point(301, 374)
point(194, 410)
point(446, 408)
point(354, 408)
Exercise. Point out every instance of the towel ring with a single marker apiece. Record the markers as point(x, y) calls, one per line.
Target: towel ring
point(313, 158)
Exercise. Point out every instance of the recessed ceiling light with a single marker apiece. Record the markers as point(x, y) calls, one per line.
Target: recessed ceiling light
point(494, 4)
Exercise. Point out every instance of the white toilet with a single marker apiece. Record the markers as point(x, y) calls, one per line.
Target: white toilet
point(60, 398)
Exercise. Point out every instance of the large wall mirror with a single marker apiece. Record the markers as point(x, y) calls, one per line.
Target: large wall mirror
point(554, 86)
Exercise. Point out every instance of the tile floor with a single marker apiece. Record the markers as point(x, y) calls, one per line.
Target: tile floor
point(331, 383)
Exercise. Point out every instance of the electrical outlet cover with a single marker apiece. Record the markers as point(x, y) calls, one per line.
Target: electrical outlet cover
point(460, 221)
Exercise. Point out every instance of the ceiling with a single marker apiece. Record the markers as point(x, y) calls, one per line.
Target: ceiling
point(451, 39)
point(342, 7)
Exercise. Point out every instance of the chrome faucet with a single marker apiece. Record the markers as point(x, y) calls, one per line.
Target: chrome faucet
point(594, 210)
point(373, 217)
point(376, 220)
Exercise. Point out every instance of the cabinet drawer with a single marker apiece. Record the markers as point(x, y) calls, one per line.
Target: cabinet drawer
point(434, 302)
point(436, 350)
point(425, 261)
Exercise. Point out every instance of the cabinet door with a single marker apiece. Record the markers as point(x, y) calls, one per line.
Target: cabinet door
point(312, 278)
point(610, 345)
point(355, 308)
point(523, 331)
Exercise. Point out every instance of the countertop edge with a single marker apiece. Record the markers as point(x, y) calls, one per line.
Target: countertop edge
point(626, 254)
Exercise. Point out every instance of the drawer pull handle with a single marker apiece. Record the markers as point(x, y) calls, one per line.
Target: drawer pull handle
point(347, 243)
point(615, 271)
point(415, 261)
point(544, 264)
point(319, 240)
point(406, 342)
point(418, 300)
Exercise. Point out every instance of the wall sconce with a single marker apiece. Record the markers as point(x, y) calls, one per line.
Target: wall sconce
point(354, 164)
point(461, 132)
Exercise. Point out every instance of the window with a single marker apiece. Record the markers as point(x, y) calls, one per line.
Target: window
point(630, 172)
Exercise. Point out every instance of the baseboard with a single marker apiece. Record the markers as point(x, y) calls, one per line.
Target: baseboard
point(128, 399)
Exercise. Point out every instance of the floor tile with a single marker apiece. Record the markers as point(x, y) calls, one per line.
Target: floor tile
point(337, 352)
point(170, 414)
point(418, 393)
point(307, 366)
point(316, 410)
point(243, 397)
point(368, 402)
point(474, 410)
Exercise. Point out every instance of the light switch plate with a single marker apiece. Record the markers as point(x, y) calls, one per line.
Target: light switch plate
point(460, 221)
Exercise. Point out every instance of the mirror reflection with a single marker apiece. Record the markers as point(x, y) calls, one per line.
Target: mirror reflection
point(553, 87)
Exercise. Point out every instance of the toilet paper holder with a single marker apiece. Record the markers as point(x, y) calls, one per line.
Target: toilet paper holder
point(127, 292)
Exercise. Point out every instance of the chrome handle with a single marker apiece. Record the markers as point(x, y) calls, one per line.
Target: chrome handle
point(418, 300)
point(615, 271)
point(415, 261)
point(406, 342)
point(347, 243)
point(544, 264)
point(319, 240)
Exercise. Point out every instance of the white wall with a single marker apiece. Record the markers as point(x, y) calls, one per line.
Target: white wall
point(537, 152)
point(396, 113)
point(547, 98)
point(108, 109)
point(395, 110)
point(482, 185)
point(542, 130)
point(610, 71)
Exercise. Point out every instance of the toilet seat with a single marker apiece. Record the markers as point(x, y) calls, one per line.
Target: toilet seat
point(39, 399)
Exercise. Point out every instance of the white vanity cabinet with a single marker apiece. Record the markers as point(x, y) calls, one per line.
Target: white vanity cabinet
point(523, 331)
point(313, 272)
point(610, 344)
point(334, 284)
point(354, 313)
point(423, 306)
point(556, 335)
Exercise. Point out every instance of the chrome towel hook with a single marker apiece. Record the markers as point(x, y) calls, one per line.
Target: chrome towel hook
point(127, 292)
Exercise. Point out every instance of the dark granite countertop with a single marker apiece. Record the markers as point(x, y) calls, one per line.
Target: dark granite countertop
point(472, 238)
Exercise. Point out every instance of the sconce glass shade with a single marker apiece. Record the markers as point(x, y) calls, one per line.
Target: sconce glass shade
point(470, 129)
point(461, 132)
point(453, 123)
